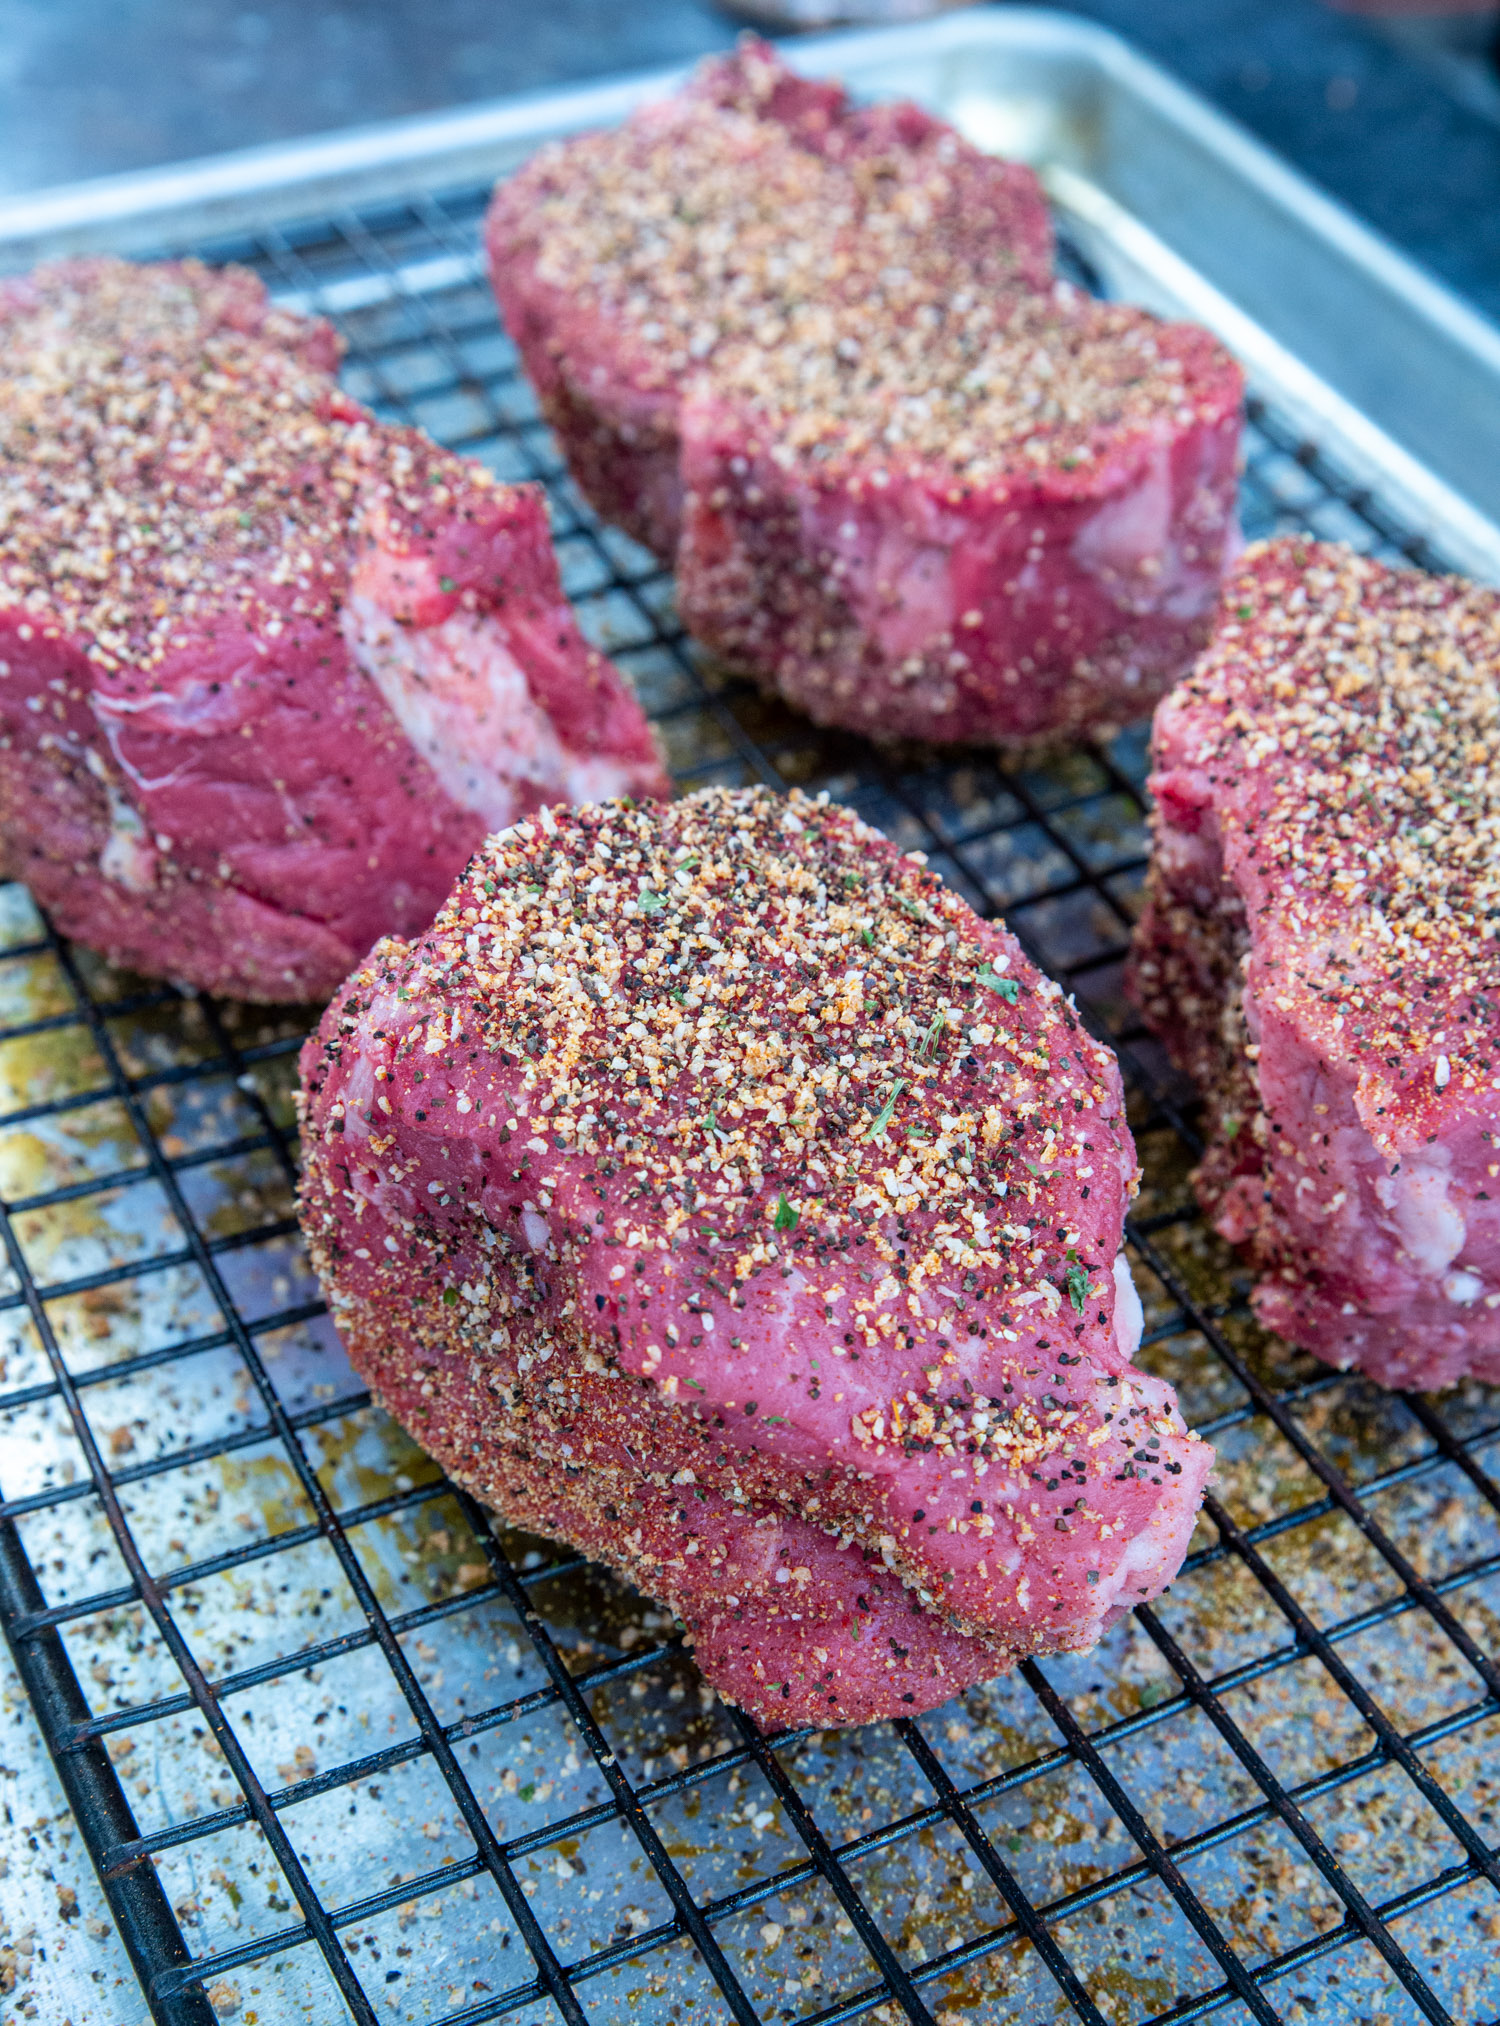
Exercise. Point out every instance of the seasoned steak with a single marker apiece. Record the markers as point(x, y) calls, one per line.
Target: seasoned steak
point(711, 1188)
point(269, 669)
point(996, 521)
point(625, 261)
point(1319, 950)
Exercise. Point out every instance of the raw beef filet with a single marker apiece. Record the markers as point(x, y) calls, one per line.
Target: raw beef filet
point(995, 521)
point(710, 1188)
point(625, 261)
point(269, 669)
point(1319, 950)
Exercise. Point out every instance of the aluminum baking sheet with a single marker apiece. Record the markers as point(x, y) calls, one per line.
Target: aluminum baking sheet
point(383, 1761)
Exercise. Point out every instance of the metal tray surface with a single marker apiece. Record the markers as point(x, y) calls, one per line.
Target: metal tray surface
point(339, 1747)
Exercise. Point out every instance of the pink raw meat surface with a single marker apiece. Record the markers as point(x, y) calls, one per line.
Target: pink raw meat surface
point(711, 1188)
point(1319, 951)
point(995, 523)
point(269, 669)
point(624, 261)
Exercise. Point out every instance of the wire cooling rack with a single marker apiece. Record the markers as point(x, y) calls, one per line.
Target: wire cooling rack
point(337, 1744)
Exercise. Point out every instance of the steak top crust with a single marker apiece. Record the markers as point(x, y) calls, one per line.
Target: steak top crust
point(990, 520)
point(1337, 749)
point(1321, 949)
point(722, 1123)
point(742, 209)
point(285, 662)
point(753, 195)
point(979, 390)
point(172, 443)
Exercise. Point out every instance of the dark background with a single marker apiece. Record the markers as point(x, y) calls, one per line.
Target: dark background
point(1401, 121)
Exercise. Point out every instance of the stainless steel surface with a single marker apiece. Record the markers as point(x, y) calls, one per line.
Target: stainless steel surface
point(144, 1168)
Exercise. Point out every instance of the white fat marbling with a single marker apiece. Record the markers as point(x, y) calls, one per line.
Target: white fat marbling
point(1130, 1317)
point(538, 1231)
point(1427, 1221)
point(1462, 1288)
point(1130, 530)
point(462, 699)
point(129, 857)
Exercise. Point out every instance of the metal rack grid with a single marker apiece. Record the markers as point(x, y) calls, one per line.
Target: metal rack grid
point(1265, 1797)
